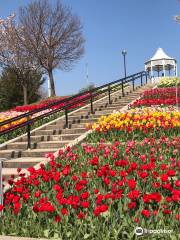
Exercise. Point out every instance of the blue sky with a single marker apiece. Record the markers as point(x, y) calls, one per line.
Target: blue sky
point(110, 26)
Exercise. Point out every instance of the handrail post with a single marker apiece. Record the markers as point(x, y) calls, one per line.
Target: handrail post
point(122, 86)
point(109, 93)
point(1, 184)
point(146, 78)
point(92, 104)
point(141, 80)
point(66, 116)
point(133, 84)
point(28, 134)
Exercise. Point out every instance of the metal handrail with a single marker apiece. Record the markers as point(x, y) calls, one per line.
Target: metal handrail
point(66, 100)
point(91, 94)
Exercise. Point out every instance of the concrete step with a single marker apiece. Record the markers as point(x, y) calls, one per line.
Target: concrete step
point(45, 132)
point(10, 153)
point(19, 145)
point(119, 103)
point(55, 127)
point(79, 116)
point(58, 123)
point(123, 100)
point(51, 144)
point(111, 107)
point(101, 104)
point(88, 120)
point(128, 98)
point(72, 118)
point(33, 139)
point(38, 152)
point(8, 172)
point(73, 130)
point(77, 125)
point(105, 112)
point(84, 113)
point(92, 116)
point(99, 114)
point(89, 110)
point(63, 137)
point(22, 162)
point(84, 116)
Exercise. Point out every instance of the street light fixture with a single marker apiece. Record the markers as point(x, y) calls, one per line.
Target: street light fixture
point(124, 52)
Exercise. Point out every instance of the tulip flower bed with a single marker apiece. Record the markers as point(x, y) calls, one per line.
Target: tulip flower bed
point(125, 175)
point(23, 109)
point(45, 103)
point(8, 115)
point(136, 124)
point(100, 192)
point(161, 93)
point(23, 130)
point(158, 96)
point(169, 82)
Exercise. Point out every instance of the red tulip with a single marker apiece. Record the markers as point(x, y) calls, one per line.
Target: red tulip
point(145, 213)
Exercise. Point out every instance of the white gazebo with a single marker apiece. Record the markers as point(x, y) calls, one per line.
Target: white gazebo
point(161, 65)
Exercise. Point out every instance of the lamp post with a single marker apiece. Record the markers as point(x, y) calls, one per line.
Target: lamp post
point(87, 74)
point(124, 52)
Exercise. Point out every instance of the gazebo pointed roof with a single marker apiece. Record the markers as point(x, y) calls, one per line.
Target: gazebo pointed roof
point(160, 54)
point(161, 62)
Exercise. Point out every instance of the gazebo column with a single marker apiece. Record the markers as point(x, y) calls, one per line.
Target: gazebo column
point(169, 70)
point(158, 70)
point(151, 70)
point(175, 69)
point(152, 73)
point(164, 70)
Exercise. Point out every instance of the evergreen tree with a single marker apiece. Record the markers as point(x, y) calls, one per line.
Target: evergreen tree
point(89, 87)
point(11, 91)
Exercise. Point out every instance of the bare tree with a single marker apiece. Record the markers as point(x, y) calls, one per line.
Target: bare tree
point(177, 18)
point(13, 55)
point(53, 36)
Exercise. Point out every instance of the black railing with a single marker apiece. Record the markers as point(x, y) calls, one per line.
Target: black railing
point(88, 96)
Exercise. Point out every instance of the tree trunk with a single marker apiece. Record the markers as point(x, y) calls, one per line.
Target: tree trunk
point(52, 86)
point(25, 95)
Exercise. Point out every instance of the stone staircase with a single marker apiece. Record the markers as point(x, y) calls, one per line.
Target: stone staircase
point(52, 136)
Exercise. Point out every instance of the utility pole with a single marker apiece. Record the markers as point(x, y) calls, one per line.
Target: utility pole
point(87, 74)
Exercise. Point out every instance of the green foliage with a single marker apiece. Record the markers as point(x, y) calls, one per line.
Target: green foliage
point(169, 82)
point(137, 135)
point(87, 88)
point(11, 91)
